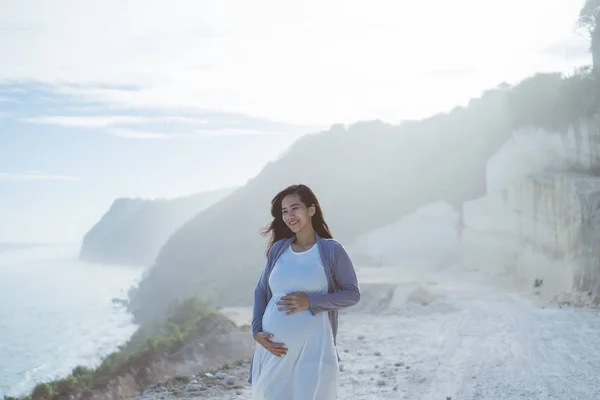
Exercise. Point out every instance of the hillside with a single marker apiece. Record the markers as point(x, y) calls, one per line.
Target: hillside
point(366, 176)
point(190, 338)
point(133, 230)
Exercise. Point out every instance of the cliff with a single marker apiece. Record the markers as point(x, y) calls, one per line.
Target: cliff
point(192, 338)
point(540, 218)
point(133, 230)
point(428, 235)
point(365, 176)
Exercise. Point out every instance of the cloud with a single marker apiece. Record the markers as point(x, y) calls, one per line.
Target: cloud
point(314, 63)
point(7, 100)
point(108, 121)
point(145, 135)
point(233, 132)
point(36, 176)
point(152, 128)
point(10, 89)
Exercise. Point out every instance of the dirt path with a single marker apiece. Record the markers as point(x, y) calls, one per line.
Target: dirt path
point(446, 335)
point(497, 347)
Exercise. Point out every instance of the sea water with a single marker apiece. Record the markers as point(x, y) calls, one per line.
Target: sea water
point(57, 312)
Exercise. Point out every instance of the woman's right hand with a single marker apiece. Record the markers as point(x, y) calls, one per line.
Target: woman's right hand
point(264, 339)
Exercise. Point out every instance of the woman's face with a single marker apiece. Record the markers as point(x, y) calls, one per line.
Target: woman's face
point(296, 214)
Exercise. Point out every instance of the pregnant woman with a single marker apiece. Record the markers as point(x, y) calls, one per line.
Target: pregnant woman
point(307, 278)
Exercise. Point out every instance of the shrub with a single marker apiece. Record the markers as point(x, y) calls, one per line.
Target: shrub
point(42, 391)
point(66, 385)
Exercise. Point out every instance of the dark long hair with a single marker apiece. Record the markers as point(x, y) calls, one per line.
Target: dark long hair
point(278, 230)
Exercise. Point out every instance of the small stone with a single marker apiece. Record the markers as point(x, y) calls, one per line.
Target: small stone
point(221, 375)
point(380, 383)
point(152, 388)
point(399, 364)
point(378, 353)
point(192, 388)
point(182, 379)
point(342, 368)
point(230, 380)
point(361, 372)
point(361, 337)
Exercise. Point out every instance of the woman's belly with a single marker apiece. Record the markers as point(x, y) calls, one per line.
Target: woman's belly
point(292, 330)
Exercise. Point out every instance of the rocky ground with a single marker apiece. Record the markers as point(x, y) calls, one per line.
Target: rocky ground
point(229, 382)
point(442, 334)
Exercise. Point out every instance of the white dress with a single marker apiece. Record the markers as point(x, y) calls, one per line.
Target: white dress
point(309, 370)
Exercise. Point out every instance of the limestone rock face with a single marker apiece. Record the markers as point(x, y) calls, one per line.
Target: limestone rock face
point(541, 216)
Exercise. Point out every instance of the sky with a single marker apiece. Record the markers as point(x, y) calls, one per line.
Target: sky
point(159, 99)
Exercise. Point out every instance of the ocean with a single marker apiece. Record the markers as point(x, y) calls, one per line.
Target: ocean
point(57, 312)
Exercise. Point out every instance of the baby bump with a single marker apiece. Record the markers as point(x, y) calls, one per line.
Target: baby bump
point(290, 329)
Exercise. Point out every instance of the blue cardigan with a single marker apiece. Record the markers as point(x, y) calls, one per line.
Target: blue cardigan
point(341, 277)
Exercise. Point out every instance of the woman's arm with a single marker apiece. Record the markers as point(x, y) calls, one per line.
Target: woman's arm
point(260, 301)
point(349, 292)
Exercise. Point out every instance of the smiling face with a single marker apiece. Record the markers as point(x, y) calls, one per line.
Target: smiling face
point(296, 214)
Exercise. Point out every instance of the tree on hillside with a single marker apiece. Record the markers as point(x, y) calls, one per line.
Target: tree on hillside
point(579, 95)
point(589, 18)
point(536, 102)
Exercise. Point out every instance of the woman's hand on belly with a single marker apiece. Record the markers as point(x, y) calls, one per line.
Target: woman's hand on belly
point(264, 339)
point(293, 302)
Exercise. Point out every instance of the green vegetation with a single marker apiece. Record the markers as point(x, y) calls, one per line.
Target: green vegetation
point(553, 101)
point(187, 317)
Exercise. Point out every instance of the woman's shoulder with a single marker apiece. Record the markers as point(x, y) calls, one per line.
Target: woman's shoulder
point(278, 245)
point(332, 244)
point(335, 252)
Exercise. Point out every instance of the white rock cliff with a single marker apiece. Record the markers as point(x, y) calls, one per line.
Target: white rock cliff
point(541, 213)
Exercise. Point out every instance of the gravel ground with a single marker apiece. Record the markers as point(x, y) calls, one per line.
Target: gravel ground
point(445, 335)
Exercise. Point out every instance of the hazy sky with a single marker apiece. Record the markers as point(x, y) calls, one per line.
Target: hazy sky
point(165, 98)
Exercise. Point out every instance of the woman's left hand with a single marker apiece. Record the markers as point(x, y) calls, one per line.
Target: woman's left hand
point(294, 302)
